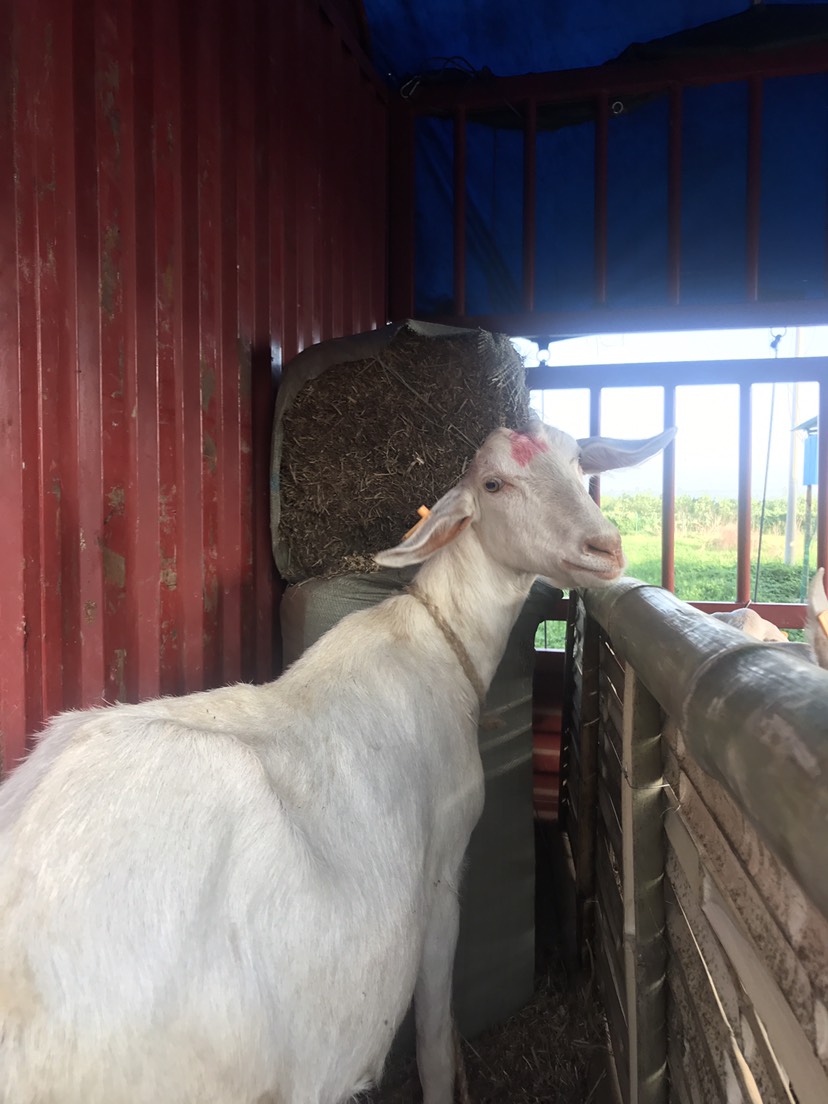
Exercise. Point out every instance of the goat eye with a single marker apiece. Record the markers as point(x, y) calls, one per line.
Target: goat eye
point(493, 485)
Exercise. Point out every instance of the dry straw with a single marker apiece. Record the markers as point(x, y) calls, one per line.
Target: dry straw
point(367, 442)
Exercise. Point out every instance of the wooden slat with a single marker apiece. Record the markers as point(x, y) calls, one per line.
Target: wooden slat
point(717, 1027)
point(793, 1042)
point(803, 927)
point(612, 992)
point(642, 870)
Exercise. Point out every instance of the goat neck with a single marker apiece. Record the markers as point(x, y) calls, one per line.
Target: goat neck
point(479, 598)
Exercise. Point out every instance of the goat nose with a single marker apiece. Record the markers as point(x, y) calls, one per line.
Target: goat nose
point(604, 544)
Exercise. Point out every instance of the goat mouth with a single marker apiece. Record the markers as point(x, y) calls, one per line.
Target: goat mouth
point(606, 574)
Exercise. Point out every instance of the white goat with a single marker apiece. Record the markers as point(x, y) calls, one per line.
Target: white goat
point(751, 623)
point(230, 897)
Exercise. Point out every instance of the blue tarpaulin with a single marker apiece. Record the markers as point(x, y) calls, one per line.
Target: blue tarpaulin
point(411, 43)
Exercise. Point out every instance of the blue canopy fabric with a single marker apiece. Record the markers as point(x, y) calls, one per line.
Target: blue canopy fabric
point(440, 39)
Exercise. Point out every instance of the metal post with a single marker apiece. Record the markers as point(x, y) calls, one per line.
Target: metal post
point(645, 952)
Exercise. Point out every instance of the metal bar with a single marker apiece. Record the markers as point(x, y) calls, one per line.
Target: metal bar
point(119, 637)
point(687, 661)
point(627, 79)
point(674, 167)
point(645, 951)
point(66, 396)
point(361, 213)
point(189, 523)
point(822, 474)
point(545, 325)
point(143, 569)
point(209, 322)
point(251, 56)
point(601, 196)
point(53, 567)
point(13, 720)
point(678, 373)
point(754, 186)
point(24, 318)
point(316, 94)
point(377, 122)
point(229, 533)
point(743, 513)
point(167, 144)
point(668, 497)
point(529, 203)
point(87, 354)
point(353, 227)
point(273, 91)
point(584, 857)
point(337, 146)
point(460, 211)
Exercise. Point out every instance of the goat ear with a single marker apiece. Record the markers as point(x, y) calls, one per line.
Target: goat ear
point(600, 454)
point(448, 518)
point(816, 593)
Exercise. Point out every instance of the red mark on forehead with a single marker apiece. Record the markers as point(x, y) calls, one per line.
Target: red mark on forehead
point(525, 448)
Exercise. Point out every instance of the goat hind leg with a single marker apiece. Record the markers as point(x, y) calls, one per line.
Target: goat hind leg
point(432, 999)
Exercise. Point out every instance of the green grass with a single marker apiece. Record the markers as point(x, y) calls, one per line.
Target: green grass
point(705, 569)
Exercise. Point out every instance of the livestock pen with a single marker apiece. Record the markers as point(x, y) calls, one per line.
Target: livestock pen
point(199, 192)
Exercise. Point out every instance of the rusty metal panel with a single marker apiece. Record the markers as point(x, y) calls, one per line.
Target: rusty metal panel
point(199, 193)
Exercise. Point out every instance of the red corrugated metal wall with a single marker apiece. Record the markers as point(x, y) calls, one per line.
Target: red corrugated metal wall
point(198, 193)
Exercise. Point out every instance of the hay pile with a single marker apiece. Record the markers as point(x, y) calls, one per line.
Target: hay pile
point(553, 1051)
point(367, 442)
point(549, 1053)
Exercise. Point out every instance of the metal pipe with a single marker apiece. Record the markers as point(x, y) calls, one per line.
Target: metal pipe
point(743, 512)
point(460, 211)
point(754, 185)
point(529, 203)
point(668, 497)
point(601, 195)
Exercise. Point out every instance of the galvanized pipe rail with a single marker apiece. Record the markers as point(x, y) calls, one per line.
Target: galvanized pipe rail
point(709, 894)
point(752, 716)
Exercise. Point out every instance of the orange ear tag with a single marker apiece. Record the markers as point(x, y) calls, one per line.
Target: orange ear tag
point(423, 511)
point(823, 621)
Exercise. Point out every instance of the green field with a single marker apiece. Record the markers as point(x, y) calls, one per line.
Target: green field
point(705, 551)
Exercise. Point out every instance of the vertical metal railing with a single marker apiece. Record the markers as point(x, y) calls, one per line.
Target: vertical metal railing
point(668, 498)
point(674, 168)
point(753, 186)
point(460, 211)
point(529, 203)
point(601, 195)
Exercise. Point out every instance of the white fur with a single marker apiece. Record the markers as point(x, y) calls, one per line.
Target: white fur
point(230, 897)
point(751, 623)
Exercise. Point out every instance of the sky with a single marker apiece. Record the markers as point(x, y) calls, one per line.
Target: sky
point(707, 417)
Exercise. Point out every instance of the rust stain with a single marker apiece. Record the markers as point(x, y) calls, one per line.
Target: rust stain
point(210, 453)
point(114, 568)
point(166, 516)
point(110, 273)
point(117, 671)
point(169, 575)
point(110, 85)
point(90, 610)
point(116, 499)
point(245, 355)
point(167, 284)
point(208, 385)
point(210, 597)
